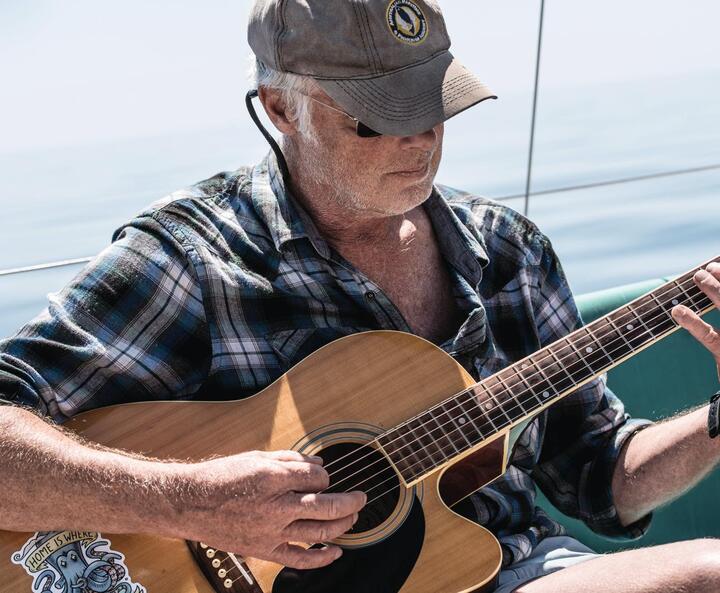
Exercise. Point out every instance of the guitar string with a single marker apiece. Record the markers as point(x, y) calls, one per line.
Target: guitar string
point(672, 286)
point(619, 340)
point(394, 475)
point(492, 397)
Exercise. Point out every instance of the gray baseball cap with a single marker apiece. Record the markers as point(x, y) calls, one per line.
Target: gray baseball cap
point(386, 62)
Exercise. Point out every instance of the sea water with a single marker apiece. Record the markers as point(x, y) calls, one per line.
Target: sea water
point(60, 203)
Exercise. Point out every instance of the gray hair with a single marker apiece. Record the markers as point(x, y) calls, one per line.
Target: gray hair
point(294, 90)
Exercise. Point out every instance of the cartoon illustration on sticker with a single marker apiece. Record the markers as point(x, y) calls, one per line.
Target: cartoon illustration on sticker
point(74, 562)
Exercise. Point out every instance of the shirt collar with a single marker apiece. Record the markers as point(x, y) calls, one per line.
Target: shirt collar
point(286, 219)
point(464, 250)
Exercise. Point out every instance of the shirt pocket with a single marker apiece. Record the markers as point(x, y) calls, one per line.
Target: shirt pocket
point(293, 345)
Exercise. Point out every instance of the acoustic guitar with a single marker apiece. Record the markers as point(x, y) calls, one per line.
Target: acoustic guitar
point(390, 414)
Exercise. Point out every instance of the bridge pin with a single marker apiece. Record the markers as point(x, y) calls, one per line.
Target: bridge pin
point(210, 553)
point(227, 583)
point(216, 563)
point(222, 573)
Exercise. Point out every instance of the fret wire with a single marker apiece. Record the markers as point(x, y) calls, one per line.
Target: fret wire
point(612, 330)
point(454, 421)
point(411, 445)
point(469, 415)
point(662, 308)
point(561, 365)
point(639, 319)
point(529, 388)
point(486, 410)
point(619, 333)
point(510, 398)
point(432, 415)
point(582, 358)
point(598, 342)
point(482, 416)
point(415, 451)
point(596, 354)
point(399, 458)
point(546, 379)
point(433, 442)
point(501, 405)
point(685, 292)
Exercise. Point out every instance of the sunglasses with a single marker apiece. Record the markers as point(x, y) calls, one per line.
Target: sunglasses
point(361, 129)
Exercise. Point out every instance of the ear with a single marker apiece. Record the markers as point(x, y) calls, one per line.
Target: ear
point(276, 111)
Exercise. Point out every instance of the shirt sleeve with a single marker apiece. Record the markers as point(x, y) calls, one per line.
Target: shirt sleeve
point(129, 327)
point(586, 431)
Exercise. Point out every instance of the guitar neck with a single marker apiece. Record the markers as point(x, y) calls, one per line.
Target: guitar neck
point(444, 433)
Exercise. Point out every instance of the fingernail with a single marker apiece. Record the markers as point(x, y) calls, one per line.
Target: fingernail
point(679, 311)
point(701, 275)
point(355, 518)
point(316, 458)
point(338, 553)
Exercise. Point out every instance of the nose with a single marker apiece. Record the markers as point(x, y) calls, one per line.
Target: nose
point(425, 140)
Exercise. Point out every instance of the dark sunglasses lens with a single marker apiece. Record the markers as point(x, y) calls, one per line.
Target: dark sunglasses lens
point(364, 132)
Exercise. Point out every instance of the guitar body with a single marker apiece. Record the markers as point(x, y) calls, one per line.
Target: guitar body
point(336, 400)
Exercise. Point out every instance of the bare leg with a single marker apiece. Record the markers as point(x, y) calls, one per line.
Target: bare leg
point(682, 567)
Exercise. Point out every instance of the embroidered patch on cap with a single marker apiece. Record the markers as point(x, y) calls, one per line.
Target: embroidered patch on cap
point(407, 22)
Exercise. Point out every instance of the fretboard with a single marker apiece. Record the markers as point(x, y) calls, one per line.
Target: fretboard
point(440, 435)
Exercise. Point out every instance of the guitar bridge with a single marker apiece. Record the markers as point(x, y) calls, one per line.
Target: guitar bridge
point(226, 573)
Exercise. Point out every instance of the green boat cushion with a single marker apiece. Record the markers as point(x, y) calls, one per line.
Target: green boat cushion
point(673, 375)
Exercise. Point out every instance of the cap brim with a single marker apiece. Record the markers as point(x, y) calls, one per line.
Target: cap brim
point(412, 100)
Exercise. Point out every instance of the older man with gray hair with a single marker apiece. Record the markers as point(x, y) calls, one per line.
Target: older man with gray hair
point(216, 291)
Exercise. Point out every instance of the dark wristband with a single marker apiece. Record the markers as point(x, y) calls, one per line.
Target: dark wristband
point(714, 416)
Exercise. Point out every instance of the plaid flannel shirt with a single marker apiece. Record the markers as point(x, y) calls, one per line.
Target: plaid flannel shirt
point(217, 290)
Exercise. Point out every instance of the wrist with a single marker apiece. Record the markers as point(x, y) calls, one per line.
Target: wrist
point(713, 420)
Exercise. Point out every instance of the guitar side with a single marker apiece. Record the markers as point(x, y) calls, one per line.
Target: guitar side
point(359, 385)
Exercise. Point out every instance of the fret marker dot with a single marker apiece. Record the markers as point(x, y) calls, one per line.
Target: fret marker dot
point(629, 326)
point(546, 394)
point(489, 405)
point(588, 349)
point(675, 302)
point(462, 420)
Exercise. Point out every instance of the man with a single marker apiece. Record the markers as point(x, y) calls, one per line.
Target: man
point(219, 289)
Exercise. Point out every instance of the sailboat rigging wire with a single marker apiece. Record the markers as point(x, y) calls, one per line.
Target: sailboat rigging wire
point(534, 109)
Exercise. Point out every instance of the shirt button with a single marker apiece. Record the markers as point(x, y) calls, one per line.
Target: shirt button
point(370, 295)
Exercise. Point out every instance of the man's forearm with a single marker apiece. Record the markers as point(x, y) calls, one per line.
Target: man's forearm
point(51, 481)
point(662, 462)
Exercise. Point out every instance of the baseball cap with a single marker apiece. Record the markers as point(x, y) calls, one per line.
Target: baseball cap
point(386, 62)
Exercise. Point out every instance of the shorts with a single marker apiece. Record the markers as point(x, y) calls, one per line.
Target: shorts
point(550, 555)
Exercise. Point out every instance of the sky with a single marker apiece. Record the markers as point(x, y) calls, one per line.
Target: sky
point(86, 71)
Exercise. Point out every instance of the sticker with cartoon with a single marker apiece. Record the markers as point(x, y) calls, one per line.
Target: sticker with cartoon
point(74, 562)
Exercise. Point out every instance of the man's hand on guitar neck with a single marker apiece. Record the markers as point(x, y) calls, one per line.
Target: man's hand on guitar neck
point(256, 504)
point(708, 281)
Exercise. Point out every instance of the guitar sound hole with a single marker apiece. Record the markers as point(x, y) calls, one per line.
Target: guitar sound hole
point(353, 466)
